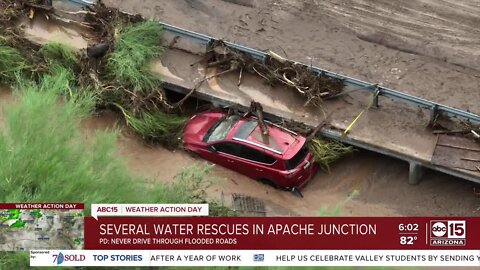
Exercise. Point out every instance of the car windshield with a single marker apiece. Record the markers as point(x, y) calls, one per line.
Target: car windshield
point(297, 159)
point(220, 130)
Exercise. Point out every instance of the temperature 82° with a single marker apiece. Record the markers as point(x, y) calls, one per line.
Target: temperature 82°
point(408, 240)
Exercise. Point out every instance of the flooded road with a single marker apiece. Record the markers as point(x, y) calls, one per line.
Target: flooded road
point(42, 31)
point(382, 183)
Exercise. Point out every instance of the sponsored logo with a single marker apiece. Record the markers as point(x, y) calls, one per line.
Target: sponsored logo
point(58, 258)
point(448, 232)
point(61, 258)
point(258, 257)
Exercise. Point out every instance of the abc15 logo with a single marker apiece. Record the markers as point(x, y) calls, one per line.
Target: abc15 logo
point(452, 229)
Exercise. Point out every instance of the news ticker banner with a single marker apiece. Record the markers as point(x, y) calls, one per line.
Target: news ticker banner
point(282, 233)
point(255, 258)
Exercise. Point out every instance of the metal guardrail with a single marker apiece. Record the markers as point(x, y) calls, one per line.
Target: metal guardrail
point(382, 91)
point(82, 2)
point(435, 108)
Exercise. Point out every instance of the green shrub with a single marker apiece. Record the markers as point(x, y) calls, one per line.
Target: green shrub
point(135, 46)
point(157, 127)
point(60, 54)
point(326, 152)
point(45, 156)
point(11, 63)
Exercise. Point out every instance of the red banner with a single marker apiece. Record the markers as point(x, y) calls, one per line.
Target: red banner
point(276, 233)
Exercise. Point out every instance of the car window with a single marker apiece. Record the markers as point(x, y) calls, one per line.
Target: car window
point(297, 159)
point(246, 129)
point(250, 131)
point(243, 151)
point(227, 148)
point(221, 129)
point(255, 155)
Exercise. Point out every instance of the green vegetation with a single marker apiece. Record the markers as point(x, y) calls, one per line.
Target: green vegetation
point(56, 53)
point(59, 81)
point(19, 223)
point(13, 213)
point(36, 213)
point(327, 152)
point(14, 260)
point(158, 127)
point(135, 46)
point(43, 149)
point(11, 63)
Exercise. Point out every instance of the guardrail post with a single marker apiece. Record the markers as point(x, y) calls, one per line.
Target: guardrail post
point(375, 98)
point(433, 114)
point(415, 173)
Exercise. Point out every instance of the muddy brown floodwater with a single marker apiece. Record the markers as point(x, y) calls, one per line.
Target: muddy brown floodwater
point(429, 49)
point(381, 181)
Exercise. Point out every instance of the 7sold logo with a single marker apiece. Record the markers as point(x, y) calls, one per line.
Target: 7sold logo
point(448, 232)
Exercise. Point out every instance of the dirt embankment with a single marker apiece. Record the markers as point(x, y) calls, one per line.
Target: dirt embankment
point(422, 47)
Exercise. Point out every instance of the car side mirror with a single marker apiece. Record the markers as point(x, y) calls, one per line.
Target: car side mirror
point(212, 148)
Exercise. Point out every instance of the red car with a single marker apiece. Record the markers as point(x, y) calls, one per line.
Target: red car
point(280, 158)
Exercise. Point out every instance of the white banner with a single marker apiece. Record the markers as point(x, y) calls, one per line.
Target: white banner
point(255, 258)
point(149, 210)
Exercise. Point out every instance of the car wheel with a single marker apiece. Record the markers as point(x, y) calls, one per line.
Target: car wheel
point(269, 183)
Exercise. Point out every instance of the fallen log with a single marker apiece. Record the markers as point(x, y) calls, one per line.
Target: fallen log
point(319, 127)
point(261, 120)
point(257, 109)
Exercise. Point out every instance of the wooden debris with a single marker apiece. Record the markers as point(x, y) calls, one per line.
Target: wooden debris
point(257, 109)
point(275, 70)
point(314, 132)
point(450, 131)
point(44, 7)
point(460, 147)
point(470, 159)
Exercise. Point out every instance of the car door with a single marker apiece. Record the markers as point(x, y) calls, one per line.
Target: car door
point(224, 154)
point(243, 159)
point(255, 163)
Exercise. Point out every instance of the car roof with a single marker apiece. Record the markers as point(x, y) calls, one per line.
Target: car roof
point(278, 140)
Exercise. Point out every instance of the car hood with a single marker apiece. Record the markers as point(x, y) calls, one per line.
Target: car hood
point(198, 125)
